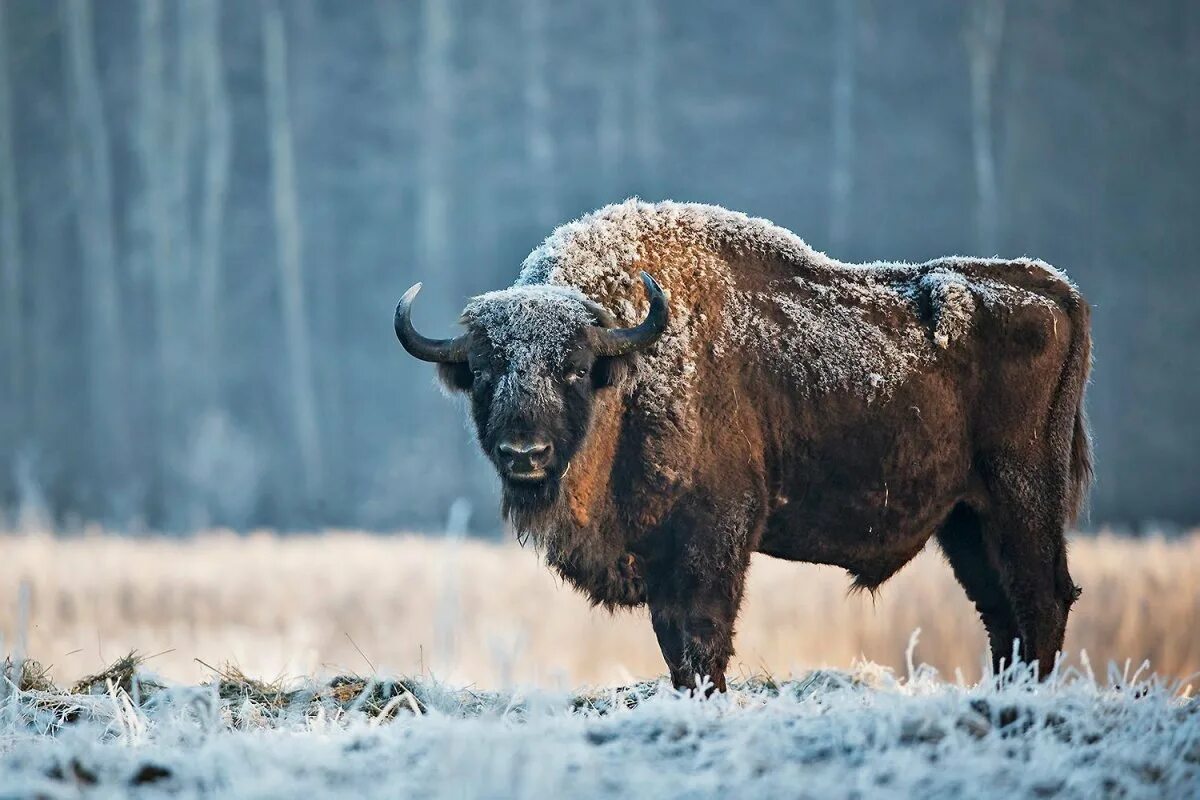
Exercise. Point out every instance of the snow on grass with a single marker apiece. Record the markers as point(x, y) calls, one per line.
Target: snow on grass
point(860, 733)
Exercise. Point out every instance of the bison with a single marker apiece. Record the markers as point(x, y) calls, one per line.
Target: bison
point(759, 396)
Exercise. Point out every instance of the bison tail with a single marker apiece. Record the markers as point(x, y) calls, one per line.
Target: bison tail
point(1079, 364)
point(1081, 463)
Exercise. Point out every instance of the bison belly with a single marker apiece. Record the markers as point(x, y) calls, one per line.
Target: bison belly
point(867, 493)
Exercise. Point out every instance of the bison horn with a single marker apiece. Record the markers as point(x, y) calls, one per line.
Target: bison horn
point(438, 351)
point(622, 341)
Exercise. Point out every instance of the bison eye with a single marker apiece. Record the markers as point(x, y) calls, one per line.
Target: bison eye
point(577, 373)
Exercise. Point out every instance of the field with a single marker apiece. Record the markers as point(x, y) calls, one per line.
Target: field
point(493, 616)
point(487, 655)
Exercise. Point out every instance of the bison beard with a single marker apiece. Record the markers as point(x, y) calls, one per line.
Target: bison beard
point(788, 404)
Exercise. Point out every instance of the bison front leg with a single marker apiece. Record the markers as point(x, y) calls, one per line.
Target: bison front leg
point(693, 617)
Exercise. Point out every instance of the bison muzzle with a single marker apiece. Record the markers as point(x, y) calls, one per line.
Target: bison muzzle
point(755, 395)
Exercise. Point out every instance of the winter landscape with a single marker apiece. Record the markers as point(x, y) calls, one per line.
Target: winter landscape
point(249, 549)
point(831, 733)
point(263, 666)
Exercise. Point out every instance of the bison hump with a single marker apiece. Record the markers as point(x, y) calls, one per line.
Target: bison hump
point(951, 305)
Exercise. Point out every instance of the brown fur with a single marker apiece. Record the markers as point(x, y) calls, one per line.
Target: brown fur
point(591, 470)
point(746, 429)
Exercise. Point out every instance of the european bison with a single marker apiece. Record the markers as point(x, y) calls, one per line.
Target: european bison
point(770, 399)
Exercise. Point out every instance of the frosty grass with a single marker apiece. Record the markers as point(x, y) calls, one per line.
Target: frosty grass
point(863, 733)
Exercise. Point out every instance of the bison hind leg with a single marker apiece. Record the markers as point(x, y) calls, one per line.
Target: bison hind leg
point(978, 570)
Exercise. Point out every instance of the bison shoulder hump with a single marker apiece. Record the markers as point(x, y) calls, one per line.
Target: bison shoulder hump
point(951, 305)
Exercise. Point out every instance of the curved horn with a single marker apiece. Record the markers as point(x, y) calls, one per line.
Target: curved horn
point(438, 351)
point(621, 341)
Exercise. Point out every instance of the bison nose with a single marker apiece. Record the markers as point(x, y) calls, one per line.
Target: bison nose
point(525, 456)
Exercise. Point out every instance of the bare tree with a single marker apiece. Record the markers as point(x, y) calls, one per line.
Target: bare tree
point(398, 65)
point(436, 145)
point(433, 210)
point(180, 136)
point(539, 143)
point(1192, 97)
point(92, 178)
point(13, 352)
point(646, 44)
point(156, 222)
point(214, 101)
point(290, 246)
point(841, 173)
point(611, 85)
point(983, 35)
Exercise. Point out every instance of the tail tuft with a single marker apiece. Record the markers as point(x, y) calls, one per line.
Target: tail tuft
point(1071, 398)
point(1081, 463)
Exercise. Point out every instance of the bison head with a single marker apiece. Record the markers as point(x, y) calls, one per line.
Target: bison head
point(532, 361)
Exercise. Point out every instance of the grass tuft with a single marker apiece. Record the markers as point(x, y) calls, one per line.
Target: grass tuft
point(28, 675)
point(121, 674)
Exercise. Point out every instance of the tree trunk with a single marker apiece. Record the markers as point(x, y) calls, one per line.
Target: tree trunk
point(983, 35)
point(436, 134)
point(646, 45)
point(539, 143)
point(433, 222)
point(1191, 100)
point(178, 151)
point(214, 103)
point(610, 117)
point(289, 248)
point(155, 220)
point(12, 381)
point(107, 379)
point(841, 174)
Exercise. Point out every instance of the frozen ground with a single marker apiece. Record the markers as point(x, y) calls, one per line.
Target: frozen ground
point(863, 733)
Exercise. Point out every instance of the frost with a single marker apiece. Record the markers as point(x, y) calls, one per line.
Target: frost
point(529, 326)
point(828, 733)
point(529, 329)
point(830, 339)
point(821, 324)
point(953, 305)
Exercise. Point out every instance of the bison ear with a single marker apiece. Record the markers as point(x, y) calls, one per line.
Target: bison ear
point(609, 371)
point(456, 377)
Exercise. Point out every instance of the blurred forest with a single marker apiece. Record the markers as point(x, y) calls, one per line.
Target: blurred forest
point(209, 209)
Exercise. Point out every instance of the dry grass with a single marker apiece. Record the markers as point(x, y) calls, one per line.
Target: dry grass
point(491, 615)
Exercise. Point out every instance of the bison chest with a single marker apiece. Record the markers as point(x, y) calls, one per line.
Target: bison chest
point(606, 574)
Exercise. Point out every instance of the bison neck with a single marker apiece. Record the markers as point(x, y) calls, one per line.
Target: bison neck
point(584, 538)
point(586, 484)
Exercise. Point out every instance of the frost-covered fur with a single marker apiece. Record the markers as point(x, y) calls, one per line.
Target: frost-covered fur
point(823, 318)
point(530, 329)
point(797, 406)
point(531, 326)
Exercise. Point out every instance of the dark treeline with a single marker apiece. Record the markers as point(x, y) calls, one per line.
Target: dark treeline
point(210, 208)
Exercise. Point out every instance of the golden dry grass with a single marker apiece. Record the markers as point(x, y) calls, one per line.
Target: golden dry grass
point(492, 615)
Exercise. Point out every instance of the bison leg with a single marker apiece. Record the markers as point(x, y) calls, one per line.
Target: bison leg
point(693, 618)
point(669, 632)
point(1025, 529)
point(961, 539)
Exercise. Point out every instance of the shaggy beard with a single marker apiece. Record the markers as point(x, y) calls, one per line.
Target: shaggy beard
point(535, 512)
